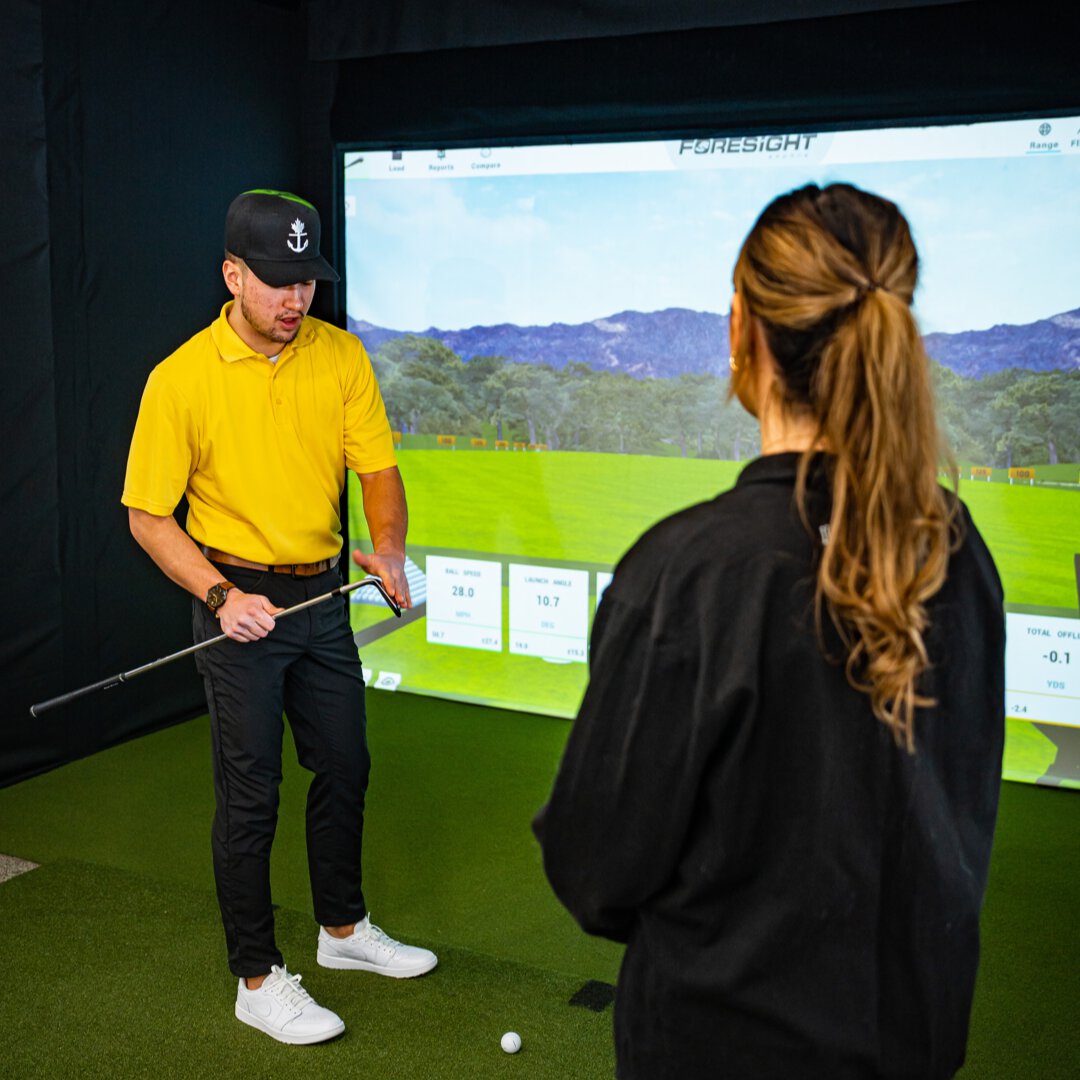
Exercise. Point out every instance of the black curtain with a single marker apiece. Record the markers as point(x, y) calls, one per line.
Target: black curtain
point(29, 497)
point(343, 29)
point(126, 130)
point(951, 62)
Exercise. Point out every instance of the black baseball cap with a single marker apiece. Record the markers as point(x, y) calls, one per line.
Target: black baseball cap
point(277, 234)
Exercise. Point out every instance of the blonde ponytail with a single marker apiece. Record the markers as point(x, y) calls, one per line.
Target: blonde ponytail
point(831, 273)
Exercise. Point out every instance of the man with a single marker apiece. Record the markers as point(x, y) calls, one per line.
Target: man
point(255, 420)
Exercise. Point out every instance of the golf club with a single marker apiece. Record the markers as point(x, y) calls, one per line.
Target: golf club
point(127, 676)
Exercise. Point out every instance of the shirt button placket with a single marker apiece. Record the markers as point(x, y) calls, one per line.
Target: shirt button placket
point(275, 395)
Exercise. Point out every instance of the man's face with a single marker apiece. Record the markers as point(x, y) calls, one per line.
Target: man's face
point(269, 318)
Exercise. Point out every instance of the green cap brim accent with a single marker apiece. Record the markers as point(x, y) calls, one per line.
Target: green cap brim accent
point(280, 194)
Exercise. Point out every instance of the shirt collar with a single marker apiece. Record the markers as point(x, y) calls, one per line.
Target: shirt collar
point(232, 347)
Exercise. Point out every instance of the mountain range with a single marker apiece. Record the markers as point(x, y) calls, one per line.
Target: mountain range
point(1045, 345)
point(664, 344)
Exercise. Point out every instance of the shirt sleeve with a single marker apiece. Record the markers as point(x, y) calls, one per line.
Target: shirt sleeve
point(624, 796)
point(164, 449)
point(369, 446)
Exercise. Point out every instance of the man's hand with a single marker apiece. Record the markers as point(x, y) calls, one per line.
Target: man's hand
point(390, 569)
point(246, 616)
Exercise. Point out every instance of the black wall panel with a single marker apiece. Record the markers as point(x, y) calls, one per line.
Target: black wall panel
point(343, 29)
point(946, 62)
point(32, 642)
point(135, 126)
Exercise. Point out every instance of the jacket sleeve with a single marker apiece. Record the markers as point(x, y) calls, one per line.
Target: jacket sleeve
point(624, 795)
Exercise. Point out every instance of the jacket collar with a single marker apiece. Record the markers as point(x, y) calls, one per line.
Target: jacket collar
point(780, 469)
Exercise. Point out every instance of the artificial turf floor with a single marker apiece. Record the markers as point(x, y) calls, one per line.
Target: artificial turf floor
point(113, 958)
point(123, 978)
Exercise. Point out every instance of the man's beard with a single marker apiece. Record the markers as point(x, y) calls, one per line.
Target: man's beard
point(271, 331)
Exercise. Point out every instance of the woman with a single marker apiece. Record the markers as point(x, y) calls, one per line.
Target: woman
point(781, 788)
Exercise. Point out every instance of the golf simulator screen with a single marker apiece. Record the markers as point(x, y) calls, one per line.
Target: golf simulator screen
point(548, 324)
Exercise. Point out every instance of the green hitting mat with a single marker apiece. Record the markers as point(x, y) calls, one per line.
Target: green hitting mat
point(112, 974)
point(114, 959)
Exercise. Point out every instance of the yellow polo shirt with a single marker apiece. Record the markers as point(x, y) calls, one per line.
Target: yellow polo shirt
point(259, 448)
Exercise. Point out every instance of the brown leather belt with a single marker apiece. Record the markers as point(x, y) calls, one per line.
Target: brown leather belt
point(293, 569)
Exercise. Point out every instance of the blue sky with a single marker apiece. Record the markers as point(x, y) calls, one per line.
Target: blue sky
point(999, 241)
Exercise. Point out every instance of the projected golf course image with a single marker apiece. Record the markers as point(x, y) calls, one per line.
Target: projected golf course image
point(583, 510)
point(571, 510)
point(549, 327)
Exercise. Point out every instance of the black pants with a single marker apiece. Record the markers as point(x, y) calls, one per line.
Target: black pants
point(307, 667)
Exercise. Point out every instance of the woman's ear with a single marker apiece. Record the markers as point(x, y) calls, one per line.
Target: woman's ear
point(736, 323)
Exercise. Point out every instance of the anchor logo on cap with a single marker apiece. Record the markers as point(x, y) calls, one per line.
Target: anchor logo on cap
point(297, 241)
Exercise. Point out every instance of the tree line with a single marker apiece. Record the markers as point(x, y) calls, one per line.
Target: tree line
point(1012, 416)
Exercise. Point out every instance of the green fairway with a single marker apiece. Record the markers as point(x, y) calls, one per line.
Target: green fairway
point(501, 679)
point(1028, 752)
point(589, 508)
point(1034, 535)
point(584, 510)
point(579, 507)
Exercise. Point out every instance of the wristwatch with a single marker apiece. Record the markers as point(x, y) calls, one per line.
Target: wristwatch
point(216, 594)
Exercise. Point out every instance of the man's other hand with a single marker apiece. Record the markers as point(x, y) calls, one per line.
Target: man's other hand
point(390, 570)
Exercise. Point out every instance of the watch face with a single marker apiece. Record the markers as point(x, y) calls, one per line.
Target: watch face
point(216, 596)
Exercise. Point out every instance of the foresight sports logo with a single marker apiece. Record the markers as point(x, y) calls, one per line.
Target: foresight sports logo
point(748, 144)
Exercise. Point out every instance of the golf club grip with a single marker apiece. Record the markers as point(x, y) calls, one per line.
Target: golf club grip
point(121, 677)
point(72, 695)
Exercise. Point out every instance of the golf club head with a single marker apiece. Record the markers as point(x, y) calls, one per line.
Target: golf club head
point(391, 603)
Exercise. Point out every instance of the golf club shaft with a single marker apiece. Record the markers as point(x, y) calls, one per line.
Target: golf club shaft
point(126, 676)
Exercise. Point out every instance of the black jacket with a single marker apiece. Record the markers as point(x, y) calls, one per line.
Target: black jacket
point(799, 896)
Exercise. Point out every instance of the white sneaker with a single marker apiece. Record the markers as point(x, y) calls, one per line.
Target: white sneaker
point(285, 1010)
point(369, 949)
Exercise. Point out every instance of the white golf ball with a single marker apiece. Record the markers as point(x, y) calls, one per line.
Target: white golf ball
point(511, 1042)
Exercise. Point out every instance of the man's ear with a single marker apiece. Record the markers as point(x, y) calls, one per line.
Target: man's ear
point(233, 276)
